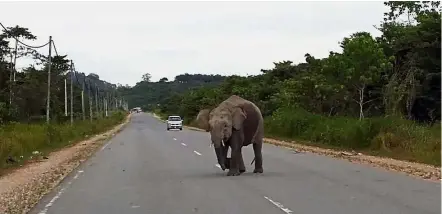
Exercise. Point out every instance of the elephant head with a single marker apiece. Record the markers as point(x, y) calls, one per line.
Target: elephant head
point(220, 122)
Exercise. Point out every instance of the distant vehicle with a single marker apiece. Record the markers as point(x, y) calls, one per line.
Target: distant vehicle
point(174, 122)
point(137, 110)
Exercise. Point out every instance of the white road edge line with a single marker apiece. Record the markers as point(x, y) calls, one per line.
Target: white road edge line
point(183, 144)
point(78, 174)
point(107, 144)
point(57, 196)
point(279, 205)
point(197, 153)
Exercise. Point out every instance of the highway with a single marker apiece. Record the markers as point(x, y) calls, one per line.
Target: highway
point(146, 169)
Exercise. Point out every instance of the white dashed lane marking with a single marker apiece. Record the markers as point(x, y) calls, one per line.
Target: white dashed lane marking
point(279, 205)
point(183, 144)
point(57, 196)
point(197, 153)
point(174, 138)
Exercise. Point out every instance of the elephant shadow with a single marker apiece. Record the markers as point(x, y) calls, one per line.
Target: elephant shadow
point(222, 175)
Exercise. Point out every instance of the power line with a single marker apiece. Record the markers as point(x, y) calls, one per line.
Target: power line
point(29, 46)
point(55, 48)
point(105, 93)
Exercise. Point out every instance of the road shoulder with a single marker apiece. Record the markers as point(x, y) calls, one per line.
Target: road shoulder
point(21, 189)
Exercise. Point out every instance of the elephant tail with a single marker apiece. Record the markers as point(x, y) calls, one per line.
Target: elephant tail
point(252, 161)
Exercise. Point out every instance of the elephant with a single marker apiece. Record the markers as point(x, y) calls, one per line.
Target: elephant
point(234, 123)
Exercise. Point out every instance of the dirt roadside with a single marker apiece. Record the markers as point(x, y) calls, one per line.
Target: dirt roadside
point(423, 171)
point(21, 189)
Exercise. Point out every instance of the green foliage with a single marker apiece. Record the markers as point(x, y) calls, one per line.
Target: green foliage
point(341, 132)
point(21, 139)
point(379, 94)
point(388, 136)
point(151, 95)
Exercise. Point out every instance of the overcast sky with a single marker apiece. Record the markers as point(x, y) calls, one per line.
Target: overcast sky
point(120, 41)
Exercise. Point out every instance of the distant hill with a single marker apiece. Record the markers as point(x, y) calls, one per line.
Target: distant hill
point(148, 95)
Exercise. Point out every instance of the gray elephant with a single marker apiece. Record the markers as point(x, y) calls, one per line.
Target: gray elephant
point(234, 123)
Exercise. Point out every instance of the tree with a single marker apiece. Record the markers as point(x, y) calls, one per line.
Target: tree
point(20, 33)
point(364, 64)
point(413, 85)
point(93, 76)
point(164, 79)
point(146, 77)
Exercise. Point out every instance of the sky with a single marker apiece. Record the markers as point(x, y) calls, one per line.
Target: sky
point(121, 41)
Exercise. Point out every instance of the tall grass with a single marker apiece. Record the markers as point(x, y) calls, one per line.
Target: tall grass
point(18, 140)
point(393, 137)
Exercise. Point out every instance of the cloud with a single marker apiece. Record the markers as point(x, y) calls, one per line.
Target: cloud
point(120, 41)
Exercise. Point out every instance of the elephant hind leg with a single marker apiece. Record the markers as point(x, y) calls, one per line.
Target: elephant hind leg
point(257, 148)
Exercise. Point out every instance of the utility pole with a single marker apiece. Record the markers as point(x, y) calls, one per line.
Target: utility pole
point(109, 102)
point(12, 73)
point(96, 100)
point(65, 98)
point(100, 106)
point(15, 57)
point(49, 80)
point(10, 81)
point(104, 105)
point(82, 102)
point(72, 93)
point(90, 102)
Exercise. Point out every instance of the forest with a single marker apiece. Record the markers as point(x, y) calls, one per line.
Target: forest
point(150, 95)
point(379, 95)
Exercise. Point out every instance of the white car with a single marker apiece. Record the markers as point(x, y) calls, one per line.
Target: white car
point(174, 122)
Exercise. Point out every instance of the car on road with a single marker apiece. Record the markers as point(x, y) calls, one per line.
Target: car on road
point(174, 122)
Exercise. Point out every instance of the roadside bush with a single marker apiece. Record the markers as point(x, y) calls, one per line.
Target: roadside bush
point(394, 137)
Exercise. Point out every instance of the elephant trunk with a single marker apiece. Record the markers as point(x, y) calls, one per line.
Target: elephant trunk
point(221, 155)
point(217, 140)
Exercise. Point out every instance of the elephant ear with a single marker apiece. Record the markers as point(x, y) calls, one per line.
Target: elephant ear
point(202, 119)
point(238, 118)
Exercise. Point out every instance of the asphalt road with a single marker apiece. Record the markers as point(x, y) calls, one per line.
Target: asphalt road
point(146, 169)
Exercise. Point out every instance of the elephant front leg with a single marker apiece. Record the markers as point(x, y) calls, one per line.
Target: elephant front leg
point(235, 162)
point(242, 167)
point(235, 143)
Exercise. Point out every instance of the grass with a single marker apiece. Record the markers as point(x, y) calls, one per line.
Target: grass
point(387, 137)
point(391, 137)
point(19, 140)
